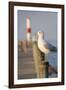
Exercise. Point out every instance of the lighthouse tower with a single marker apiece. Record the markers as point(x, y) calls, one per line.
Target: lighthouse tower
point(28, 30)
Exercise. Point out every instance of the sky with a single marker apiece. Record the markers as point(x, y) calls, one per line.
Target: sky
point(40, 21)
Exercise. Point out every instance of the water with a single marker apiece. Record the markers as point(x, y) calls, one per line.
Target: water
point(52, 56)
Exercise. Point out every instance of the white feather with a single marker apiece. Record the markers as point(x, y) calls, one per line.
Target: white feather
point(42, 43)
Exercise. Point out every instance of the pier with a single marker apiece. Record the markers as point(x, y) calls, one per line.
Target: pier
point(31, 63)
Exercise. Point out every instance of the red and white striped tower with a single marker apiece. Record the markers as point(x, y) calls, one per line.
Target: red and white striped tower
point(28, 30)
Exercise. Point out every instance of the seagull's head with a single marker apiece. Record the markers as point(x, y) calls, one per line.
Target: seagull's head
point(40, 34)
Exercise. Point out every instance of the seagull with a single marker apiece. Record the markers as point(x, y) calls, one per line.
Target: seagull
point(44, 46)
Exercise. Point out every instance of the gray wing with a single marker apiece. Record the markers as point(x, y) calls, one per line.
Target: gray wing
point(50, 47)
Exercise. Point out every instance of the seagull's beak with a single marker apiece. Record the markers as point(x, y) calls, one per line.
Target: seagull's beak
point(37, 34)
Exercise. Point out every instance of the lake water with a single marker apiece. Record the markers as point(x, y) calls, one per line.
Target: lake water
point(52, 56)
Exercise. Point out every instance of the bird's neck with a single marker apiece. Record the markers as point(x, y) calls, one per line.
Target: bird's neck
point(40, 38)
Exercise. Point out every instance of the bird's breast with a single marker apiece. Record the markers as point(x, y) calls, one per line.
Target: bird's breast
point(42, 47)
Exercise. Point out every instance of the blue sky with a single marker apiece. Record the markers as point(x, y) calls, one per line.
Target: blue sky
point(40, 21)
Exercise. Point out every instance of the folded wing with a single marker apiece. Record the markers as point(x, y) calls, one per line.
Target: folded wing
point(50, 47)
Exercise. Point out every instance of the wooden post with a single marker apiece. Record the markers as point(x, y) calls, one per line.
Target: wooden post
point(24, 46)
point(19, 45)
point(40, 65)
point(46, 65)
